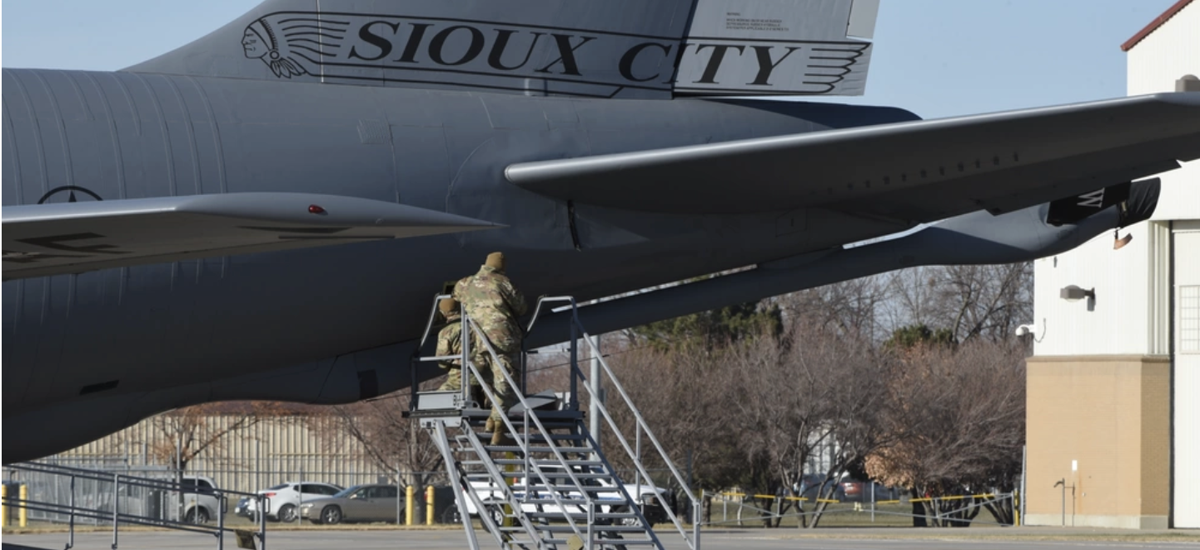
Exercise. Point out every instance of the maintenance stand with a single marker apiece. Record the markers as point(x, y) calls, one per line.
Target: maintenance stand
point(551, 487)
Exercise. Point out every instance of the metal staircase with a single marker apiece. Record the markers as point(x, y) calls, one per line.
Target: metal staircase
point(551, 485)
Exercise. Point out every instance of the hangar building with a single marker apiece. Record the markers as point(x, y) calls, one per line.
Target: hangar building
point(1113, 415)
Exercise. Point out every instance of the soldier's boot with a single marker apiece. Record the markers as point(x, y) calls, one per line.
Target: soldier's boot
point(500, 434)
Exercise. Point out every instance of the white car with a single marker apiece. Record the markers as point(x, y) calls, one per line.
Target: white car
point(200, 503)
point(198, 499)
point(611, 501)
point(284, 500)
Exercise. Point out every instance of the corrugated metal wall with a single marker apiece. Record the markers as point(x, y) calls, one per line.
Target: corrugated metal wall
point(1187, 377)
point(1154, 64)
point(1167, 54)
point(1117, 321)
point(268, 452)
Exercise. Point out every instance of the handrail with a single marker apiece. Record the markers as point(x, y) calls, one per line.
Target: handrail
point(134, 481)
point(641, 424)
point(442, 442)
point(432, 317)
point(576, 328)
point(522, 442)
point(638, 415)
point(120, 481)
point(470, 369)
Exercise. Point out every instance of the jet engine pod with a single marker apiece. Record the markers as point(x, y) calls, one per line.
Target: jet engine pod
point(1136, 201)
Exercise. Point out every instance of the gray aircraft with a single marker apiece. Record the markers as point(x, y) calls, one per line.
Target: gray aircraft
point(267, 212)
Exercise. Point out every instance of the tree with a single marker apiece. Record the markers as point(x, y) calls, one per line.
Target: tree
point(855, 413)
point(971, 301)
point(185, 433)
point(914, 336)
point(713, 328)
point(788, 399)
point(682, 395)
point(392, 442)
point(956, 420)
point(849, 308)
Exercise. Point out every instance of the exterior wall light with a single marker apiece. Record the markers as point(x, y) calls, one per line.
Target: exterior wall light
point(1073, 293)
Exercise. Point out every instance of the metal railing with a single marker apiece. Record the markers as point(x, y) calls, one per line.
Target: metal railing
point(469, 369)
point(941, 514)
point(122, 498)
point(634, 452)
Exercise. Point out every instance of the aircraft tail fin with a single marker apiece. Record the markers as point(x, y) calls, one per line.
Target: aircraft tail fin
point(610, 49)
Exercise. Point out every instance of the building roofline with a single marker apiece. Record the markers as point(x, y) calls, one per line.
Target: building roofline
point(1154, 25)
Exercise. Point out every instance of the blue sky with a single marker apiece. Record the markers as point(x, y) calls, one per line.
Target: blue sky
point(935, 57)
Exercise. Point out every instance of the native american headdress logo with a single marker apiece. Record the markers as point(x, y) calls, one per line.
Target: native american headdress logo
point(292, 44)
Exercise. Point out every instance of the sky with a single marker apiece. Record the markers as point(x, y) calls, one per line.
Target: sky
point(937, 58)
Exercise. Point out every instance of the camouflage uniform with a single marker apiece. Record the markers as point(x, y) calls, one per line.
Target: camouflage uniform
point(494, 305)
point(449, 342)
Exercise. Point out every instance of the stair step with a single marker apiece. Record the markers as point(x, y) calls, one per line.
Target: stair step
point(537, 449)
point(539, 462)
point(578, 515)
point(483, 414)
point(534, 436)
point(624, 542)
point(484, 476)
point(550, 501)
point(542, 462)
point(606, 528)
point(562, 488)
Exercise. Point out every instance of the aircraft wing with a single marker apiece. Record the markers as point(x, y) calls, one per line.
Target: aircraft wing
point(911, 171)
point(51, 239)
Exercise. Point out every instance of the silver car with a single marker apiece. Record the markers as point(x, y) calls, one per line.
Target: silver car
point(363, 503)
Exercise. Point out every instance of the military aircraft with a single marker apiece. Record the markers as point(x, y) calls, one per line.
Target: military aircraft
point(267, 212)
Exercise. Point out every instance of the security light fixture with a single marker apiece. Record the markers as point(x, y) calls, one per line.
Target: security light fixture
point(1072, 293)
point(1188, 83)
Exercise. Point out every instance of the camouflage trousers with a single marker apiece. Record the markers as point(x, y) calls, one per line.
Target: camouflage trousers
point(454, 383)
point(507, 395)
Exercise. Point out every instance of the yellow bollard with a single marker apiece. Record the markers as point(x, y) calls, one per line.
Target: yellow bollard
point(508, 511)
point(429, 505)
point(408, 505)
point(22, 512)
point(4, 506)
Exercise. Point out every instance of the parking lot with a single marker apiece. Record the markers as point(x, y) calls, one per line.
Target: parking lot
point(750, 539)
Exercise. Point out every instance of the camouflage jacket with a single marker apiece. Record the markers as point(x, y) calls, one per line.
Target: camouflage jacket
point(449, 342)
point(493, 304)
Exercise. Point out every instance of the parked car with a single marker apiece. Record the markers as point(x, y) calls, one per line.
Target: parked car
point(814, 486)
point(284, 500)
point(200, 502)
point(611, 501)
point(243, 508)
point(360, 503)
point(854, 490)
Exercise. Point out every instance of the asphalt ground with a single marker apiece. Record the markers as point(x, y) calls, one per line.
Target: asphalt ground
point(747, 539)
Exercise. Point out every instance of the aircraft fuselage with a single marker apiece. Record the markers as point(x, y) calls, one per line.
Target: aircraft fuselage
point(299, 325)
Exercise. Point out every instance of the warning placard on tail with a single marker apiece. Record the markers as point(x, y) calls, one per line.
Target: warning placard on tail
point(795, 47)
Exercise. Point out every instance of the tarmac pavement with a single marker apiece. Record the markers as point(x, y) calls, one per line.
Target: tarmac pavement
point(747, 539)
